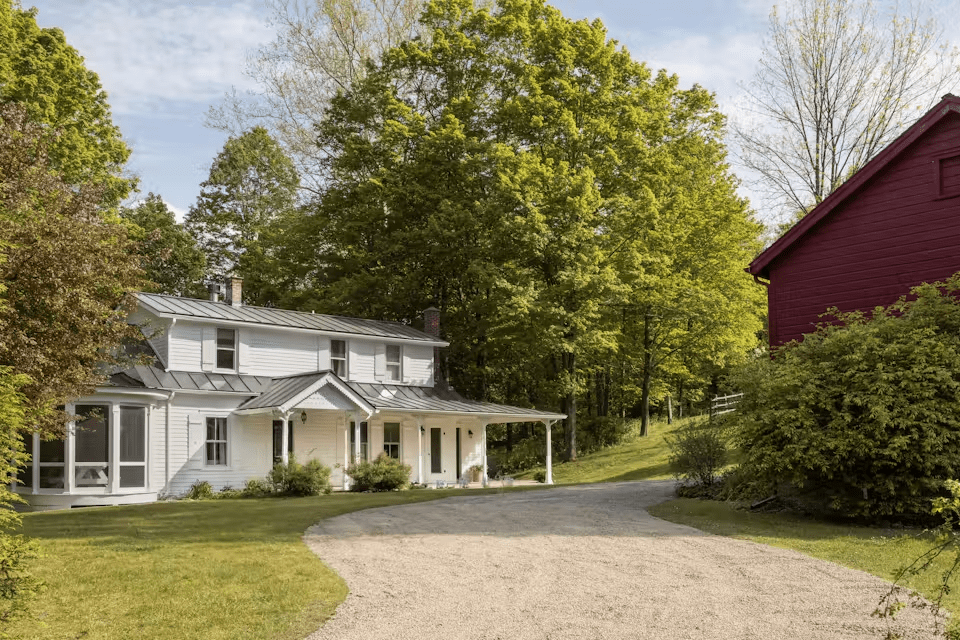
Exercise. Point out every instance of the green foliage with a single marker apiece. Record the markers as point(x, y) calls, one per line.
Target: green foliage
point(170, 258)
point(257, 488)
point(540, 475)
point(864, 415)
point(46, 76)
point(525, 454)
point(200, 490)
point(564, 212)
point(67, 271)
point(382, 474)
point(698, 452)
point(295, 479)
point(245, 208)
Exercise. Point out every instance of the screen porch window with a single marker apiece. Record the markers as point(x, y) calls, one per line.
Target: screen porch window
point(338, 357)
point(278, 440)
point(364, 440)
point(226, 349)
point(394, 372)
point(133, 447)
point(91, 446)
point(391, 439)
point(216, 442)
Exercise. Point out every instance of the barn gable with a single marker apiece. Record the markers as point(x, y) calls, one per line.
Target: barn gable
point(893, 225)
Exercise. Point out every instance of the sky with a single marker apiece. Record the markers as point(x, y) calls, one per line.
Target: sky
point(163, 63)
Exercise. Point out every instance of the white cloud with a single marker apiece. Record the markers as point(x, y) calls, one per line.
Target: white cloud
point(148, 53)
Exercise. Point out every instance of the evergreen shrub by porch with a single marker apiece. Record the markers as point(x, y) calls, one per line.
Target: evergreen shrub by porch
point(864, 416)
point(295, 479)
point(382, 474)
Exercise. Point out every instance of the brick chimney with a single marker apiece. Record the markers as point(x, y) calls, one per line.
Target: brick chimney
point(234, 291)
point(431, 325)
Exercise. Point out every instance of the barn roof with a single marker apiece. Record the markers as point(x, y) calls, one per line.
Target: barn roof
point(760, 265)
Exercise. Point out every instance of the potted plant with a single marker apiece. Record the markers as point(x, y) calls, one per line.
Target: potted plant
point(475, 472)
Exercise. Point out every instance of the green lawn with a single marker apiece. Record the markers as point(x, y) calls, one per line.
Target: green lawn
point(636, 459)
point(226, 569)
point(875, 550)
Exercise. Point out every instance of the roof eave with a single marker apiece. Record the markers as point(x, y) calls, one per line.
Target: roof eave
point(760, 265)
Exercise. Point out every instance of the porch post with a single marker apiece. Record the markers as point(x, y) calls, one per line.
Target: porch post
point(420, 428)
point(285, 439)
point(356, 435)
point(549, 478)
point(483, 440)
point(113, 429)
point(346, 450)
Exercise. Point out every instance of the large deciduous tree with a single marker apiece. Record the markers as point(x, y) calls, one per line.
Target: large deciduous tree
point(170, 258)
point(251, 190)
point(838, 81)
point(66, 273)
point(42, 72)
point(322, 46)
point(525, 175)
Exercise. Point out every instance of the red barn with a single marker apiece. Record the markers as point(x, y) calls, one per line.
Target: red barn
point(893, 225)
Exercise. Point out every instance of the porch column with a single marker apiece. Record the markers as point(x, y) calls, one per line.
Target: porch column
point(285, 439)
point(483, 445)
point(549, 478)
point(113, 430)
point(420, 428)
point(356, 436)
point(346, 450)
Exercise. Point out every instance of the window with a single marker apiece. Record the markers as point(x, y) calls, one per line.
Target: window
point(278, 440)
point(364, 441)
point(133, 447)
point(338, 357)
point(391, 439)
point(216, 441)
point(393, 363)
point(91, 446)
point(226, 349)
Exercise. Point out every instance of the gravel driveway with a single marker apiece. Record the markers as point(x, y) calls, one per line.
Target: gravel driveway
point(579, 562)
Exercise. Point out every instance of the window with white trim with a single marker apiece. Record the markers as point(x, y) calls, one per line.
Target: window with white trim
point(394, 360)
point(227, 349)
point(391, 439)
point(133, 447)
point(216, 444)
point(338, 357)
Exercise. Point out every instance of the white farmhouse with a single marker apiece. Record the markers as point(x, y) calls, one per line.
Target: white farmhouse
point(234, 389)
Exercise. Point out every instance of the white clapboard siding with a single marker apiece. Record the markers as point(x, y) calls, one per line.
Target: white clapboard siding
point(185, 346)
point(418, 365)
point(408, 446)
point(156, 434)
point(317, 439)
point(361, 360)
point(278, 353)
point(323, 353)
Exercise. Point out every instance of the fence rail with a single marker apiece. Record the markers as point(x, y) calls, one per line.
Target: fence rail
point(724, 404)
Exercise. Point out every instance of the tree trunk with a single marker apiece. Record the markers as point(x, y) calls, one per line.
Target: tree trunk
point(669, 409)
point(570, 406)
point(509, 437)
point(647, 375)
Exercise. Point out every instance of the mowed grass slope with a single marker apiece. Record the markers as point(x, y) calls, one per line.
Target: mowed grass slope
point(227, 569)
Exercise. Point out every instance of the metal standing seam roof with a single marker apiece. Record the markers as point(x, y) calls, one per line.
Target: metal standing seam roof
point(155, 378)
point(209, 310)
point(406, 398)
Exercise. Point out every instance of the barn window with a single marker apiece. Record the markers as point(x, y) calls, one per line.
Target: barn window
point(948, 176)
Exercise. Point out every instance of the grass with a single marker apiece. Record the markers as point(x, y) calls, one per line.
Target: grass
point(881, 552)
point(635, 459)
point(221, 569)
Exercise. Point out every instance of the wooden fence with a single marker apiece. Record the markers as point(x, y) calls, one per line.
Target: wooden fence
point(724, 404)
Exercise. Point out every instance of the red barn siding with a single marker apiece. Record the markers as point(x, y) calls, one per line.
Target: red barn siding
point(894, 232)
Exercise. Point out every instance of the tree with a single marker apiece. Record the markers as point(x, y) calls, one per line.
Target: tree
point(170, 258)
point(66, 272)
point(322, 46)
point(251, 189)
point(838, 81)
point(40, 71)
point(525, 193)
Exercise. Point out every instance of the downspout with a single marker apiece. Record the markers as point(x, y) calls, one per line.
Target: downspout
point(166, 453)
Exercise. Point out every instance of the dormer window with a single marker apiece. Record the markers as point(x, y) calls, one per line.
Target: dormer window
point(394, 371)
point(227, 349)
point(338, 357)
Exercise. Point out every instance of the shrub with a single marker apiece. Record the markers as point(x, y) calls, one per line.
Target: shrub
point(540, 475)
point(698, 453)
point(257, 488)
point(526, 454)
point(200, 490)
point(295, 479)
point(383, 474)
point(865, 414)
point(228, 493)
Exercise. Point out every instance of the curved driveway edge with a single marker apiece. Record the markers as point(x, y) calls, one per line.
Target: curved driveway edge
point(580, 562)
